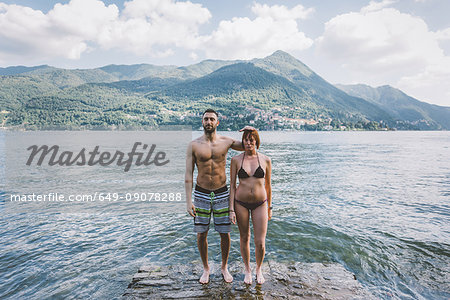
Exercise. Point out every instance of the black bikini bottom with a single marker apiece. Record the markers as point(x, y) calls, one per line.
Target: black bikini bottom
point(250, 206)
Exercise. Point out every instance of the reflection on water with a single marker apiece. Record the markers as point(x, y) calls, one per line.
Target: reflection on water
point(376, 202)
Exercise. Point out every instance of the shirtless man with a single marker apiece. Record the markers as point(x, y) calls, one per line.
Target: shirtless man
point(211, 196)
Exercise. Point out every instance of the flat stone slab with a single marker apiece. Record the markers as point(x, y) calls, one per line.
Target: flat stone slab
point(283, 281)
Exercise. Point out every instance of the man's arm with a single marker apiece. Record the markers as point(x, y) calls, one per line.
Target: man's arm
point(248, 127)
point(236, 145)
point(233, 173)
point(189, 179)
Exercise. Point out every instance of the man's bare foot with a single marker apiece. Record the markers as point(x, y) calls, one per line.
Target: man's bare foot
point(205, 276)
point(248, 277)
point(226, 275)
point(259, 277)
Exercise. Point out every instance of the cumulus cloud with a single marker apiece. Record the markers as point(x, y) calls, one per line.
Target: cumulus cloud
point(374, 5)
point(377, 40)
point(162, 22)
point(281, 12)
point(68, 30)
point(443, 34)
point(431, 84)
point(274, 28)
point(153, 28)
point(380, 43)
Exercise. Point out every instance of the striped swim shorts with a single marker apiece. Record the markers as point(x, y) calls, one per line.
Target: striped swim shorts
point(216, 201)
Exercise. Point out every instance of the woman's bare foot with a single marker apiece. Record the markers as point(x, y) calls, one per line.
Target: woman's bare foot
point(259, 277)
point(248, 277)
point(226, 275)
point(205, 276)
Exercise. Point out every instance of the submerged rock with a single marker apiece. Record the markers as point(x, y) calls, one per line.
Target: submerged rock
point(283, 281)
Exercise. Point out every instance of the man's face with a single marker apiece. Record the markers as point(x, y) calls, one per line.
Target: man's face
point(210, 122)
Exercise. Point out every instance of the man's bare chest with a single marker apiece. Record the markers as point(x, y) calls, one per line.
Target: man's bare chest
point(206, 152)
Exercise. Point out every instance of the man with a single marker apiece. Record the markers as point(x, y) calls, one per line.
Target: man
point(209, 153)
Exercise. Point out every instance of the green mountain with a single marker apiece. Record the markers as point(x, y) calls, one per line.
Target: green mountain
point(402, 107)
point(18, 89)
point(15, 70)
point(313, 86)
point(275, 92)
point(249, 85)
point(136, 72)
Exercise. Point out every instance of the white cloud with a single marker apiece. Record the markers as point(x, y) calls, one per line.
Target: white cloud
point(153, 28)
point(374, 5)
point(380, 45)
point(162, 22)
point(64, 31)
point(68, 30)
point(274, 28)
point(281, 12)
point(193, 55)
point(443, 35)
point(430, 85)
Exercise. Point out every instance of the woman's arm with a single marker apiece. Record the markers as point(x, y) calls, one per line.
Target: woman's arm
point(268, 186)
point(233, 174)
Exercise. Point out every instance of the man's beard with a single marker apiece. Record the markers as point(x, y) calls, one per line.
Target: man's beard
point(210, 130)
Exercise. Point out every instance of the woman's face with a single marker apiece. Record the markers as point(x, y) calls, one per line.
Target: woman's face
point(249, 142)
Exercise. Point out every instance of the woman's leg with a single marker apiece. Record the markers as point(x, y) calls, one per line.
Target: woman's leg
point(259, 220)
point(242, 217)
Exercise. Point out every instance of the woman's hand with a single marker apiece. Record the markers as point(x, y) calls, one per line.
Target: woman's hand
point(269, 213)
point(232, 217)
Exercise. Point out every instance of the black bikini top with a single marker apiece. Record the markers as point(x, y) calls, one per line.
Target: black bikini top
point(259, 172)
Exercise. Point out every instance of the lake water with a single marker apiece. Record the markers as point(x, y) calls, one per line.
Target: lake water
point(376, 202)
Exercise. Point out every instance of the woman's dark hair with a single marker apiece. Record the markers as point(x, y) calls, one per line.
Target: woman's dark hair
point(251, 133)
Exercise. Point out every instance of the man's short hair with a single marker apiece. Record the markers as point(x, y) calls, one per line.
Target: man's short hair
point(210, 110)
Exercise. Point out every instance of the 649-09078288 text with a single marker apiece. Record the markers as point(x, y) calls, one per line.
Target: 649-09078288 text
point(101, 197)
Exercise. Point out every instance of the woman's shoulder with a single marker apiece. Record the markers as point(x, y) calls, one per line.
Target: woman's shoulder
point(264, 157)
point(237, 157)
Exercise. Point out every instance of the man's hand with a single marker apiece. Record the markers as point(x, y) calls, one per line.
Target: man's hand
point(233, 217)
point(191, 209)
point(248, 127)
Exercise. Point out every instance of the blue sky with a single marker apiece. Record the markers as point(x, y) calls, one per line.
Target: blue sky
point(403, 43)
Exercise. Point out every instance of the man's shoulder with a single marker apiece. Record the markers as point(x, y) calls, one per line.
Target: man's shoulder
point(225, 139)
point(195, 144)
point(198, 140)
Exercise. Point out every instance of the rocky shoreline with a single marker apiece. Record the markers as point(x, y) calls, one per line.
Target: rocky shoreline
point(283, 281)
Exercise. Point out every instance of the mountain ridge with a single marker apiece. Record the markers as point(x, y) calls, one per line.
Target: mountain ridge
point(277, 85)
point(400, 105)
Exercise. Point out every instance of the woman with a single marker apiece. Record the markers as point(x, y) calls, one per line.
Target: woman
point(252, 197)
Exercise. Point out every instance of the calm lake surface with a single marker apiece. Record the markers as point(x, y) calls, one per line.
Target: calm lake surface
point(376, 202)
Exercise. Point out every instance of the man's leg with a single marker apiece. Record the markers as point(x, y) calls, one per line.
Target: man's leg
point(225, 248)
point(201, 226)
point(222, 225)
point(202, 243)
